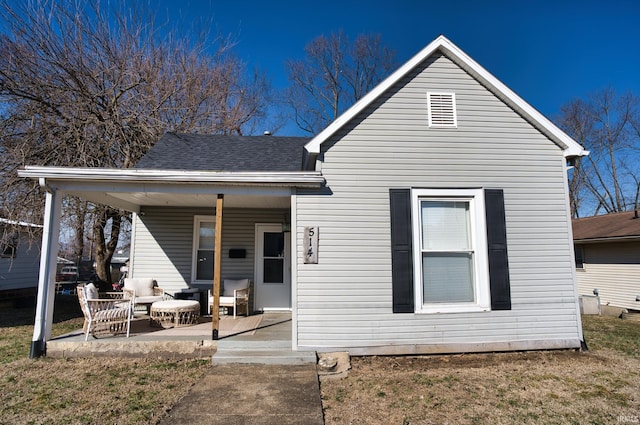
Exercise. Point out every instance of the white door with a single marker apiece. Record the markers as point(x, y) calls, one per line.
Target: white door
point(273, 268)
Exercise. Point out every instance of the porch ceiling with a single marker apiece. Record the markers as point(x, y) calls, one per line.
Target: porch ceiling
point(133, 201)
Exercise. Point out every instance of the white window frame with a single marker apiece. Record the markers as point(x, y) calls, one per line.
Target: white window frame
point(196, 243)
point(454, 110)
point(478, 230)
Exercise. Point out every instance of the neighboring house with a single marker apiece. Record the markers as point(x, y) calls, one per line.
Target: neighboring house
point(431, 217)
point(607, 251)
point(19, 259)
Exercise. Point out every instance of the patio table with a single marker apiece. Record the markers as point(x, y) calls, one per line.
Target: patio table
point(175, 313)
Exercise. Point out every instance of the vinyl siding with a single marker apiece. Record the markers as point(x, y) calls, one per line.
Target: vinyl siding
point(613, 268)
point(345, 300)
point(21, 271)
point(163, 243)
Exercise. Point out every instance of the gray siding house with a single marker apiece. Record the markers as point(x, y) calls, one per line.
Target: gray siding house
point(19, 259)
point(431, 217)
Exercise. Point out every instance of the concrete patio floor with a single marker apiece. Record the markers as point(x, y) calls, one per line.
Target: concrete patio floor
point(194, 341)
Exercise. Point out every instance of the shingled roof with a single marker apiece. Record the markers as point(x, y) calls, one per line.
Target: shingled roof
point(607, 227)
point(179, 151)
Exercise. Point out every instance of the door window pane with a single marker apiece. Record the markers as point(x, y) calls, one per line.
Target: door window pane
point(273, 270)
point(273, 253)
point(205, 246)
point(204, 265)
point(274, 244)
point(207, 235)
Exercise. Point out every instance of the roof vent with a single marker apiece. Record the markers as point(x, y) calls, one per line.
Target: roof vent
point(267, 133)
point(442, 109)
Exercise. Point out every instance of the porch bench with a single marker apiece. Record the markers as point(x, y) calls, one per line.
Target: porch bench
point(174, 313)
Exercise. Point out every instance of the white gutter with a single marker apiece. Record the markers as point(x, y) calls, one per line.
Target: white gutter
point(132, 175)
point(19, 223)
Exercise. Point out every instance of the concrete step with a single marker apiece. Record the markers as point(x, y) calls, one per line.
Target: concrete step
point(263, 355)
point(235, 343)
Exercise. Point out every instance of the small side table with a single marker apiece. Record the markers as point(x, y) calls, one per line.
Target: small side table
point(175, 313)
point(195, 294)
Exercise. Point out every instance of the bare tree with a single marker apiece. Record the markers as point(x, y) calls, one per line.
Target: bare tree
point(606, 180)
point(84, 84)
point(335, 74)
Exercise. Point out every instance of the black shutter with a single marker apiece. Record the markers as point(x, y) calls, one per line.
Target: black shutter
point(401, 250)
point(497, 245)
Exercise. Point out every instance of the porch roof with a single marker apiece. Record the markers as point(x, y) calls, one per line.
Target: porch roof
point(132, 188)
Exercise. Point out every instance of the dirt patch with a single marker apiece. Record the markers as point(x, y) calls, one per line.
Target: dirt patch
point(506, 388)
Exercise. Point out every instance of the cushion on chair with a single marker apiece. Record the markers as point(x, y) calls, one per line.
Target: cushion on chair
point(148, 299)
point(226, 301)
point(142, 286)
point(91, 292)
point(230, 285)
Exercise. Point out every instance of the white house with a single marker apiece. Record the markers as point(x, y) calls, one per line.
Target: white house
point(431, 217)
point(19, 259)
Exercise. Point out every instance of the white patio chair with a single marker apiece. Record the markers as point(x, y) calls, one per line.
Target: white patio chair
point(235, 293)
point(104, 316)
point(142, 291)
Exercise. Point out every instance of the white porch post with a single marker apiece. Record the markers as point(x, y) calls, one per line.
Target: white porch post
point(47, 276)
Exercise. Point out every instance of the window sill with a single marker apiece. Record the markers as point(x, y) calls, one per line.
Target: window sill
point(452, 308)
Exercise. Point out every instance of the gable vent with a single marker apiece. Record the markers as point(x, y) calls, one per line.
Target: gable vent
point(442, 109)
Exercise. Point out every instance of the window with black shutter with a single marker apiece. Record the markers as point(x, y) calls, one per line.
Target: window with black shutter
point(449, 250)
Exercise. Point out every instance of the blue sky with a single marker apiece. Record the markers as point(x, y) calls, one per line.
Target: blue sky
point(548, 52)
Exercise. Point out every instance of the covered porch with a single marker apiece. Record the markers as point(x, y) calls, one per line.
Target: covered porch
point(263, 338)
point(191, 229)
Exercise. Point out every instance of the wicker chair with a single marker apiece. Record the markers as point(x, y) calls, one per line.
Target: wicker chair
point(235, 294)
point(142, 291)
point(104, 316)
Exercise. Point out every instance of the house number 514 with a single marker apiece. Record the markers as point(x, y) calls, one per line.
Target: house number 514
point(311, 245)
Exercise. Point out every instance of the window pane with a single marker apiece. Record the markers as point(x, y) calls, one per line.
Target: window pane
point(207, 235)
point(273, 244)
point(274, 270)
point(579, 256)
point(204, 265)
point(447, 277)
point(445, 225)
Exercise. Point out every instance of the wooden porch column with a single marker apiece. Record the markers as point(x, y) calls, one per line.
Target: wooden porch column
point(217, 265)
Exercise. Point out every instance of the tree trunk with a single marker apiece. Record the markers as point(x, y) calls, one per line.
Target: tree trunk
point(104, 249)
point(78, 244)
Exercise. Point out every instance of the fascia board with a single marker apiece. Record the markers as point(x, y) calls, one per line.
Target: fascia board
point(173, 176)
point(314, 144)
point(569, 146)
point(605, 239)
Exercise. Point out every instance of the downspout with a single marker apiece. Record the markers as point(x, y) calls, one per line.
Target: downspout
point(47, 273)
point(583, 342)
